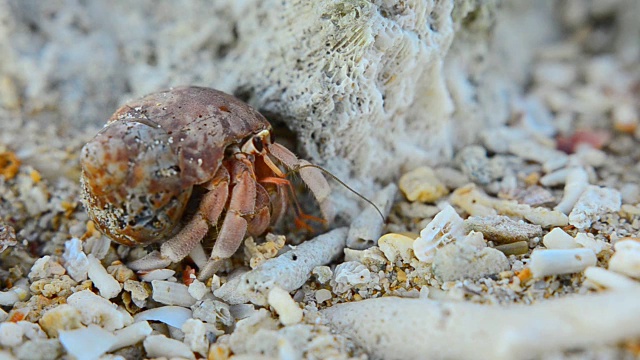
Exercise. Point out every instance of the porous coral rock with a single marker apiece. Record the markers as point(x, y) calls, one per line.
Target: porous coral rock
point(501, 229)
point(98, 310)
point(350, 275)
point(45, 267)
point(212, 311)
point(594, 202)
point(62, 317)
point(195, 335)
point(288, 271)
point(468, 258)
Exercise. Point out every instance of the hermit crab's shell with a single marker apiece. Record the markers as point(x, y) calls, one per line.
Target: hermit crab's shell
point(139, 171)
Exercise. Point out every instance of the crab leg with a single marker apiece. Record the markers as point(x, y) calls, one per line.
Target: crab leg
point(209, 211)
point(259, 222)
point(242, 202)
point(311, 176)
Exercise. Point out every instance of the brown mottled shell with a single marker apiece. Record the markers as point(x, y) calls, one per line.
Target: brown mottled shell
point(139, 171)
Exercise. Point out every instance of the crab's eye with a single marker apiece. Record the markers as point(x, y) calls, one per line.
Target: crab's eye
point(257, 143)
point(272, 137)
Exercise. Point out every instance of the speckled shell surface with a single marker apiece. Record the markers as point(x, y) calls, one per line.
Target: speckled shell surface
point(139, 170)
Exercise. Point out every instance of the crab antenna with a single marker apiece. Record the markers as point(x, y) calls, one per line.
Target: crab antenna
point(339, 181)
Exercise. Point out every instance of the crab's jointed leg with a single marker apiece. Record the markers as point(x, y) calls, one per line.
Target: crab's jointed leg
point(311, 176)
point(209, 211)
point(242, 202)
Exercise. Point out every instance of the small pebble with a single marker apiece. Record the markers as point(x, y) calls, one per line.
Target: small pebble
point(288, 310)
point(422, 185)
point(10, 334)
point(626, 259)
point(559, 239)
point(396, 245)
point(323, 295)
point(161, 346)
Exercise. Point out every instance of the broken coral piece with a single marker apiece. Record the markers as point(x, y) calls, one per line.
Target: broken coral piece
point(562, 261)
point(445, 227)
point(463, 330)
point(288, 271)
point(468, 258)
point(594, 202)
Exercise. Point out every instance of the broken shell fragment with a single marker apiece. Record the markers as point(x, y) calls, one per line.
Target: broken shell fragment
point(161, 346)
point(171, 315)
point(445, 227)
point(172, 293)
point(559, 239)
point(88, 342)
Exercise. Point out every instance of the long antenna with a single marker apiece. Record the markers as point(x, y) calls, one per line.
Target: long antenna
point(339, 181)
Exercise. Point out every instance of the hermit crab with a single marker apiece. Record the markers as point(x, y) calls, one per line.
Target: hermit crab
point(142, 171)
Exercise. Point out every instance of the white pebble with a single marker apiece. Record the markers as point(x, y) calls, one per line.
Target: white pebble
point(109, 287)
point(171, 315)
point(195, 336)
point(288, 310)
point(558, 239)
point(162, 346)
point(446, 226)
point(158, 274)
point(592, 204)
point(75, 260)
point(197, 289)
point(98, 310)
point(587, 241)
point(17, 293)
point(421, 184)
point(348, 275)
point(87, 343)
point(10, 334)
point(396, 245)
point(609, 279)
point(131, 335)
point(45, 267)
point(31, 330)
point(323, 295)
point(556, 262)
point(626, 259)
point(322, 273)
point(172, 293)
